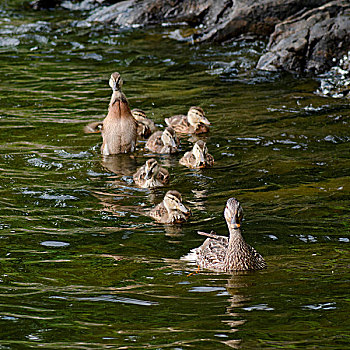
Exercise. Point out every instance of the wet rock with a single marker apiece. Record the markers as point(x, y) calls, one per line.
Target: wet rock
point(311, 42)
point(253, 17)
point(131, 13)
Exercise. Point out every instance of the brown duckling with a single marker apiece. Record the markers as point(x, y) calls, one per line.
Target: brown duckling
point(220, 253)
point(151, 174)
point(119, 129)
point(94, 127)
point(198, 157)
point(171, 210)
point(146, 126)
point(194, 122)
point(163, 141)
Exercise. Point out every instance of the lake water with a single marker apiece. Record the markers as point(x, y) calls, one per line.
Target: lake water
point(83, 267)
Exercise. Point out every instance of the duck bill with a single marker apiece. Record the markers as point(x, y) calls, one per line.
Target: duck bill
point(234, 224)
point(205, 121)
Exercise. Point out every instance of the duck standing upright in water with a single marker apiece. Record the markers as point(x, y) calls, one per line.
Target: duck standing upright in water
point(194, 122)
point(171, 210)
point(198, 157)
point(151, 175)
point(163, 142)
point(145, 126)
point(224, 254)
point(119, 129)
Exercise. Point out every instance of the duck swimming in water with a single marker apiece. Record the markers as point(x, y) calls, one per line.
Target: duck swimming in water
point(151, 174)
point(198, 157)
point(146, 126)
point(119, 128)
point(163, 142)
point(224, 254)
point(171, 210)
point(194, 122)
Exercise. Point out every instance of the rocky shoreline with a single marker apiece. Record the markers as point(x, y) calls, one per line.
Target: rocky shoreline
point(305, 37)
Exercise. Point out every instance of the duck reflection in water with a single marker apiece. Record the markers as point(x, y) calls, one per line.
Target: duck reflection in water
point(120, 164)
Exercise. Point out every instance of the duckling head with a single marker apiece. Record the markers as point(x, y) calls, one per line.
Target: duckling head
point(200, 151)
point(173, 202)
point(169, 137)
point(151, 168)
point(233, 214)
point(115, 81)
point(139, 114)
point(195, 116)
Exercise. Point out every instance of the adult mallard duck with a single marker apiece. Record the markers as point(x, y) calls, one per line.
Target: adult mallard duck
point(224, 254)
point(171, 210)
point(119, 128)
point(146, 126)
point(198, 157)
point(151, 174)
point(193, 123)
point(163, 141)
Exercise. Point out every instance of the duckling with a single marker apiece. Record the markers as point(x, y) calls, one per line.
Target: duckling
point(145, 126)
point(163, 141)
point(171, 210)
point(151, 175)
point(198, 157)
point(193, 123)
point(119, 129)
point(94, 127)
point(220, 253)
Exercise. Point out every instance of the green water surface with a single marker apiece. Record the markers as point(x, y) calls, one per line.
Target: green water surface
point(83, 267)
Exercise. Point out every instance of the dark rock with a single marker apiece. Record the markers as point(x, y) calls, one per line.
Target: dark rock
point(254, 17)
point(130, 13)
point(312, 42)
point(45, 4)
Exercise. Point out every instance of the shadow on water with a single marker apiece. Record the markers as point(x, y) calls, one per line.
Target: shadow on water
point(81, 264)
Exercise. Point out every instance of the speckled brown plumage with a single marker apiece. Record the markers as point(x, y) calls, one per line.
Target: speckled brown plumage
point(163, 142)
point(223, 254)
point(198, 157)
point(151, 175)
point(145, 126)
point(193, 123)
point(171, 210)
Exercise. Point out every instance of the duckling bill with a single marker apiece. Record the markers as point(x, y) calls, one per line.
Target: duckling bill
point(224, 254)
point(171, 210)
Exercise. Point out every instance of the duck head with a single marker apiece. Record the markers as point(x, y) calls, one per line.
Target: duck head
point(173, 202)
point(169, 137)
point(233, 214)
point(116, 81)
point(195, 116)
